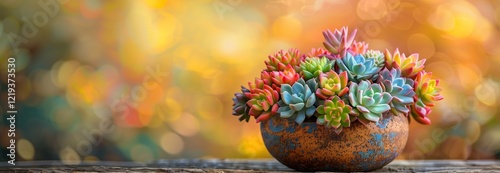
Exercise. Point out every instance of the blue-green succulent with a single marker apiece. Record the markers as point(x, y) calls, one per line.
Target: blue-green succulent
point(400, 88)
point(297, 101)
point(358, 67)
point(369, 101)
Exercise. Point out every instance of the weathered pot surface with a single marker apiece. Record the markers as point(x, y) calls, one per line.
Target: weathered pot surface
point(312, 147)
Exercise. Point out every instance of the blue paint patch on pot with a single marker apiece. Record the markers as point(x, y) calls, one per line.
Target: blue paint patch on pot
point(370, 154)
point(384, 122)
point(311, 129)
point(270, 139)
point(366, 155)
point(377, 140)
point(273, 142)
point(380, 150)
point(291, 144)
point(277, 128)
point(290, 129)
point(392, 135)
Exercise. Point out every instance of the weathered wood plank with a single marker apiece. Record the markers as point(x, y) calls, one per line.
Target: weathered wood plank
point(241, 165)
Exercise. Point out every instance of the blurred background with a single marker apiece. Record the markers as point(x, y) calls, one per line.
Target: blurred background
point(148, 80)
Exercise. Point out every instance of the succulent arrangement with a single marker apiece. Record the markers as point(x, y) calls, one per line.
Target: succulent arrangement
point(335, 86)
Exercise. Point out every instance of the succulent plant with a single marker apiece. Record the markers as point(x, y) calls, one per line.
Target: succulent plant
point(262, 100)
point(281, 59)
point(339, 84)
point(358, 48)
point(334, 113)
point(358, 67)
point(240, 107)
point(288, 76)
point(400, 88)
point(339, 41)
point(377, 56)
point(426, 93)
point(410, 66)
point(320, 52)
point(297, 100)
point(265, 77)
point(258, 84)
point(332, 84)
point(314, 66)
point(369, 101)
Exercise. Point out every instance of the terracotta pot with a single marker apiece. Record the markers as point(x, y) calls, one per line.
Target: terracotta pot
point(312, 147)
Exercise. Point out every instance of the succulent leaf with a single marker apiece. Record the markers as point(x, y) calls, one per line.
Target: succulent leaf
point(358, 48)
point(410, 66)
point(287, 76)
point(358, 67)
point(240, 107)
point(319, 52)
point(400, 88)
point(262, 102)
point(339, 41)
point(369, 100)
point(375, 55)
point(426, 93)
point(297, 100)
point(281, 59)
point(332, 84)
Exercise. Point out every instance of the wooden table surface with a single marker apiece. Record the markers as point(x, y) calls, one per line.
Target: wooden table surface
point(241, 165)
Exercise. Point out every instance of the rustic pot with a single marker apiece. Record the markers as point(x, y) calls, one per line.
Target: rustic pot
point(313, 147)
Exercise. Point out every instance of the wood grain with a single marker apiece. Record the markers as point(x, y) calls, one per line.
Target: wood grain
point(240, 165)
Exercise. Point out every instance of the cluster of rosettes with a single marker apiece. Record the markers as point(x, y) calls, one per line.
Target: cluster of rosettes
point(338, 85)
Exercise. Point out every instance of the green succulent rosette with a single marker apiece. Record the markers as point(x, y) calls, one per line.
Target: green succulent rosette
point(334, 113)
point(369, 101)
point(313, 66)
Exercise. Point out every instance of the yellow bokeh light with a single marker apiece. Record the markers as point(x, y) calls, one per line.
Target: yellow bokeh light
point(469, 75)
point(421, 44)
point(465, 16)
point(172, 143)
point(464, 26)
point(64, 72)
point(287, 28)
point(164, 33)
point(251, 146)
point(171, 111)
point(187, 125)
point(442, 19)
point(25, 149)
point(69, 156)
point(80, 87)
point(156, 3)
point(487, 93)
